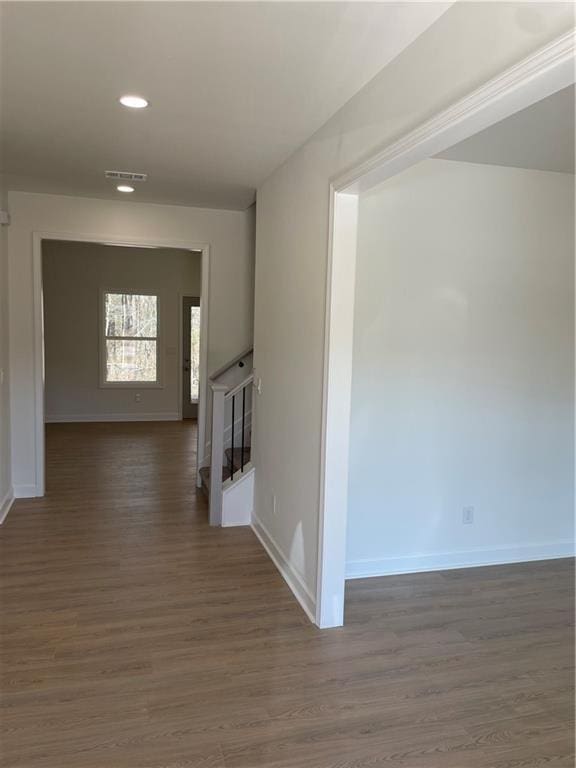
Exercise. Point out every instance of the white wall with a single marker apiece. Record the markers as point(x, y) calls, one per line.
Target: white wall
point(74, 275)
point(229, 233)
point(469, 44)
point(463, 373)
point(5, 463)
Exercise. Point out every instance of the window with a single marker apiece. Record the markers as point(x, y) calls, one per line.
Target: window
point(130, 343)
point(194, 353)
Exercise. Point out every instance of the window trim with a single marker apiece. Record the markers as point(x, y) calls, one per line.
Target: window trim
point(103, 383)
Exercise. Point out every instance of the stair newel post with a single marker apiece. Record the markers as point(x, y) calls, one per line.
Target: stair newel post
point(216, 452)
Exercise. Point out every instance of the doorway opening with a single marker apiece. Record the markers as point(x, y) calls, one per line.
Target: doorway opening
point(545, 73)
point(190, 356)
point(108, 332)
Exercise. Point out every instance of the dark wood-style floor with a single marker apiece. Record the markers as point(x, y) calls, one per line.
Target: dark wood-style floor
point(135, 636)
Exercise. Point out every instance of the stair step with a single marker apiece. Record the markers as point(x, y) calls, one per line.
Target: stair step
point(237, 457)
point(205, 476)
point(205, 471)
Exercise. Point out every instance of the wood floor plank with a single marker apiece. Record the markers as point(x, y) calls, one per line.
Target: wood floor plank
point(133, 635)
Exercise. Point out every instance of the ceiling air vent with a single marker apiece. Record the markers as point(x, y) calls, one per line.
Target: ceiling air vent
point(126, 176)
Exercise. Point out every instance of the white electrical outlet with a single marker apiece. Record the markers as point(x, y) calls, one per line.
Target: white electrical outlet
point(138, 397)
point(468, 515)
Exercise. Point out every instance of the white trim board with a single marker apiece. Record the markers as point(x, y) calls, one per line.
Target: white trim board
point(95, 417)
point(6, 504)
point(27, 492)
point(238, 499)
point(446, 561)
point(290, 576)
point(534, 78)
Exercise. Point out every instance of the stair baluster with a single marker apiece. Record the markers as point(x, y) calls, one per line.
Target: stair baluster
point(232, 460)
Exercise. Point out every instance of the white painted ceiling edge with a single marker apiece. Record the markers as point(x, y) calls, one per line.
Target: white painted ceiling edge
point(234, 89)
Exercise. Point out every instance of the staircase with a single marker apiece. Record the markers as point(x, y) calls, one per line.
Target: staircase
point(230, 489)
point(230, 467)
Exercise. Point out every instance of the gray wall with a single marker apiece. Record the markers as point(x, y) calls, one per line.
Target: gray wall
point(228, 234)
point(463, 374)
point(74, 274)
point(5, 463)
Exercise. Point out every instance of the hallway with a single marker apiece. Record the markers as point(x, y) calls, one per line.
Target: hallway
point(135, 636)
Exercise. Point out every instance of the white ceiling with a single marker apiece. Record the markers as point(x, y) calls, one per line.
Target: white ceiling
point(234, 89)
point(540, 137)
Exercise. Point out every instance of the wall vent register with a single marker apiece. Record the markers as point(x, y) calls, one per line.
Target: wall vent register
point(126, 176)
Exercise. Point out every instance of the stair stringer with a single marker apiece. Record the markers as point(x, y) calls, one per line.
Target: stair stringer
point(238, 498)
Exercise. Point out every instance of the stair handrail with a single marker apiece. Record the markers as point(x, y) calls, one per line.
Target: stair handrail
point(230, 364)
point(239, 387)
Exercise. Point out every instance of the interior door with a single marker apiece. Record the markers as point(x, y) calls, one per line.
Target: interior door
point(190, 356)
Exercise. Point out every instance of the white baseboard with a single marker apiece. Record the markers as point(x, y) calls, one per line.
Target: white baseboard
point(444, 561)
point(5, 505)
point(26, 492)
point(104, 417)
point(290, 576)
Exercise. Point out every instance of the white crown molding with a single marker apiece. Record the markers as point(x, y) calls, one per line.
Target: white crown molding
point(496, 99)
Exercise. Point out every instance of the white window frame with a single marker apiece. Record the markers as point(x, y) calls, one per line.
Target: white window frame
point(104, 384)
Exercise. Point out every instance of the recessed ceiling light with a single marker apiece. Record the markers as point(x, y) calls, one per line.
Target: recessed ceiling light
point(124, 188)
point(134, 102)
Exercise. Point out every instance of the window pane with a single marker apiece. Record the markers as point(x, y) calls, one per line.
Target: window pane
point(129, 314)
point(130, 360)
point(194, 353)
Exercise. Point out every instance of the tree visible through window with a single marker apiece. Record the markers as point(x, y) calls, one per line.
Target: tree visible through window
point(130, 338)
point(194, 353)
